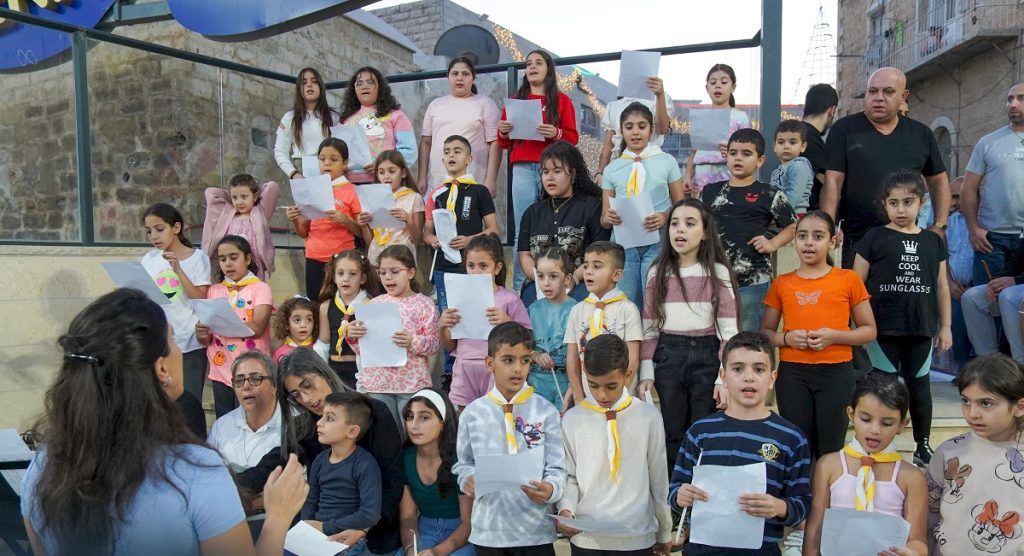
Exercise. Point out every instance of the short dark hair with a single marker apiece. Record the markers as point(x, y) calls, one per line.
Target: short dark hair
point(336, 144)
point(357, 408)
point(884, 386)
point(459, 139)
point(508, 334)
point(792, 126)
point(608, 248)
point(754, 341)
point(245, 180)
point(605, 354)
point(748, 135)
point(819, 99)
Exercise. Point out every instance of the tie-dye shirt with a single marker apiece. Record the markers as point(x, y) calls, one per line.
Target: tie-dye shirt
point(391, 131)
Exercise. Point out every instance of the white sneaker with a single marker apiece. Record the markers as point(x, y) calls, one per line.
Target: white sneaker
point(794, 543)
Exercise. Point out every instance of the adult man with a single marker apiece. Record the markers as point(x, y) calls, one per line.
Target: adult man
point(959, 267)
point(819, 113)
point(865, 147)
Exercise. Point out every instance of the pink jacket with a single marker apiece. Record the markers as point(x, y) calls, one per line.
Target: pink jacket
point(220, 213)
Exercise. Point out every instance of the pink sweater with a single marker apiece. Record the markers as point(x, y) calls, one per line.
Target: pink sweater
point(220, 212)
point(419, 316)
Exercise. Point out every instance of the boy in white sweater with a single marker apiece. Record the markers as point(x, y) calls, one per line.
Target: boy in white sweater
point(509, 420)
point(615, 460)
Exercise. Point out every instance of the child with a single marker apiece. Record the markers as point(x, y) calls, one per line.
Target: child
point(344, 482)
point(395, 385)
point(815, 303)
point(433, 508)
point(304, 126)
point(510, 419)
point(904, 268)
point(688, 317)
point(391, 169)
point(748, 432)
point(348, 281)
point(794, 175)
point(707, 167)
point(613, 477)
point(747, 209)
point(470, 377)
point(642, 169)
point(181, 272)
point(975, 480)
point(370, 104)
point(869, 474)
point(251, 300)
point(549, 317)
point(251, 208)
point(295, 325)
point(337, 232)
point(605, 311)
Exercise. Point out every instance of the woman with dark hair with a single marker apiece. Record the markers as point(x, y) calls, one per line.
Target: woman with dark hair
point(306, 125)
point(118, 471)
point(466, 113)
point(303, 381)
point(369, 103)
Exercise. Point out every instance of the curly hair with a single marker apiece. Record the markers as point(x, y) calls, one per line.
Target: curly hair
point(386, 101)
point(284, 313)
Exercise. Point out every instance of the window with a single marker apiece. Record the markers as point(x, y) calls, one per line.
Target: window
point(588, 121)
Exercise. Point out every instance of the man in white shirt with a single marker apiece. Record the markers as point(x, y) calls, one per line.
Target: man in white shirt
point(244, 435)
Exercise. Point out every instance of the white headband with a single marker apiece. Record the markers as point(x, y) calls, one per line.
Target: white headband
point(435, 399)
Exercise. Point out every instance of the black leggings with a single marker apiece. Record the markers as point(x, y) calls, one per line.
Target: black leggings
point(314, 278)
point(909, 356)
point(685, 368)
point(814, 396)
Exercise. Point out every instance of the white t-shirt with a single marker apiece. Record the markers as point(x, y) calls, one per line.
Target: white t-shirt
point(180, 314)
point(610, 120)
point(240, 446)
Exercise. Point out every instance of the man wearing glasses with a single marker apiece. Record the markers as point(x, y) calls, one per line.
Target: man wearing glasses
point(247, 433)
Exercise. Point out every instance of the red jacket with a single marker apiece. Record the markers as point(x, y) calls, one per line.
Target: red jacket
point(529, 151)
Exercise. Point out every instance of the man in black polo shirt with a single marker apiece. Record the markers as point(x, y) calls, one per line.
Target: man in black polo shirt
point(819, 112)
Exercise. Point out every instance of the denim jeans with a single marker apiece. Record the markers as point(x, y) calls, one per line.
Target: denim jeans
point(980, 318)
point(525, 192)
point(961, 339)
point(634, 275)
point(442, 304)
point(433, 531)
point(752, 306)
point(1004, 260)
point(396, 404)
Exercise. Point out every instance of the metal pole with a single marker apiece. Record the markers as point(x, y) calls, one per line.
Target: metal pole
point(83, 147)
point(771, 75)
point(511, 77)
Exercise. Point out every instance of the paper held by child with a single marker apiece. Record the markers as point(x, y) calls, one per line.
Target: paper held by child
point(310, 167)
point(708, 128)
point(220, 317)
point(848, 532)
point(635, 66)
point(472, 295)
point(525, 116)
point(444, 228)
point(305, 540)
point(313, 196)
point(354, 136)
point(131, 274)
point(591, 525)
point(507, 472)
point(376, 348)
point(720, 522)
point(631, 233)
point(378, 200)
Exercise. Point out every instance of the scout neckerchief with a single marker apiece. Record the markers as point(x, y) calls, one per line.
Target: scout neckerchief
point(453, 189)
point(304, 343)
point(638, 174)
point(346, 311)
point(234, 287)
point(610, 415)
point(865, 492)
point(381, 234)
point(507, 405)
point(597, 320)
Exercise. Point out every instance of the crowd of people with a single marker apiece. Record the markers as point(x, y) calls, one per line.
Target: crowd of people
point(586, 337)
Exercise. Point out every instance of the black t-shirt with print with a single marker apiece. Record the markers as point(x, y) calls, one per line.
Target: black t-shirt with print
point(902, 280)
point(576, 225)
point(743, 213)
point(815, 154)
point(473, 204)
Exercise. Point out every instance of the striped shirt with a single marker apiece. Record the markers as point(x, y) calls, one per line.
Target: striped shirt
point(722, 440)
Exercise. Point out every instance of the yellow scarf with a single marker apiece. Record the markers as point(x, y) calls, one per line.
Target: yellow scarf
point(638, 173)
point(453, 189)
point(865, 491)
point(304, 343)
point(381, 234)
point(613, 428)
point(507, 405)
point(597, 320)
point(345, 312)
point(234, 287)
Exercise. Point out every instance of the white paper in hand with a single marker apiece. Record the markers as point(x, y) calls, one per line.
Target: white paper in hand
point(376, 348)
point(635, 66)
point(305, 540)
point(633, 210)
point(472, 295)
point(525, 116)
point(313, 196)
point(591, 525)
point(719, 521)
point(848, 532)
point(378, 200)
point(708, 128)
point(131, 274)
point(220, 317)
point(508, 472)
point(358, 146)
point(310, 167)
point(445, 230)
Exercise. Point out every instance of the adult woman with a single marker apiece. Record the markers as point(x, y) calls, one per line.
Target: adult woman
point(118, 471)
point(466, 113)
point(248, 432)
point(368, 102)
point(303, 381)
point(306, 125)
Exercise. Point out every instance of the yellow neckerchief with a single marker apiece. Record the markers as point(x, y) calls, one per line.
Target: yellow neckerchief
point(613, 428)
point(381, 234)
point(453, 189)
point(597, 320)
point(233, 287)
point(507, 405)
point(865, 491)
point(304, 343)
point(638, 174)
point(345, 312)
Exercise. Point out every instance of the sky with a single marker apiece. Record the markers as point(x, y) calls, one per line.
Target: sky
point(599, 26)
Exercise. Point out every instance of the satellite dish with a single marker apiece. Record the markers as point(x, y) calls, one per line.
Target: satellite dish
point(473, 41)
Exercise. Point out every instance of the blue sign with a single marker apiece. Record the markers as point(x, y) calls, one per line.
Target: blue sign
point(221, 18)
point(23, 46)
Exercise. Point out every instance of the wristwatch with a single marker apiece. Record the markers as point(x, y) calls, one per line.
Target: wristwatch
point(941, 225)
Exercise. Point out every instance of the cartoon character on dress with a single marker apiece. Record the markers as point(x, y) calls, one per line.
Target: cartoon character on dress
point(1013, 469)
point(955, 476)
point(991, 531)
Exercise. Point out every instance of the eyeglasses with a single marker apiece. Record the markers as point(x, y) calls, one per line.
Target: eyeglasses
point(305, 387)
point(255, 380)
point(390, 271)
point(330, 159)
point(366, 82)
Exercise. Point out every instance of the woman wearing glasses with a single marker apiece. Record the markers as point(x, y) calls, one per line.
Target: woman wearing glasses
point(245, 434)
point(369, 103)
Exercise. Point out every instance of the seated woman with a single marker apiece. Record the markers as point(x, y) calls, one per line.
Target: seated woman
point(245, 434)
point(118, 472)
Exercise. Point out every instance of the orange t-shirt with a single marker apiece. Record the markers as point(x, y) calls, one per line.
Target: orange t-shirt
point(809, 304)
point(327, 238)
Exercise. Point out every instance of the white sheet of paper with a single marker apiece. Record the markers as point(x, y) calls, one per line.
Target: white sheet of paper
point(848, 532)
point(313, 196)
point(131, 274)
point(472, 295)
point(508, 472)
point(304, 540)
point(525, 116)
point(719, 521)
point(633, 210)
point(635, 66)
point(444, 229)
point(376, 348)
point(220, 317)
point(310, 167)
point(591, 525)
point(536, 285)
point(358, 146)
point(13, 448)
point(378, 200)
point(708, 128)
